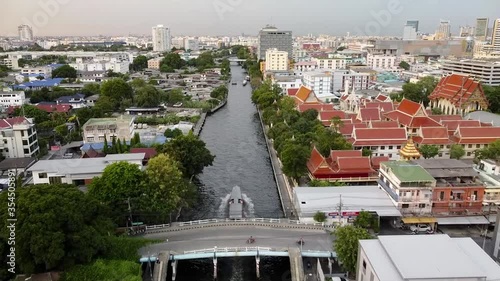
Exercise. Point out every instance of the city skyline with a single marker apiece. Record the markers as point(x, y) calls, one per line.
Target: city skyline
point(234, 17)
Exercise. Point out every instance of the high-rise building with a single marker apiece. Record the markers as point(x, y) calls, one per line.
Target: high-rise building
point(25, 32)
point(466, 31)
point(276, 60)
point(495, 37)
point(161, 39)
point(481, 31)
point(444, 30)
point(413, 23)
point(409, 32)
point(272, 38)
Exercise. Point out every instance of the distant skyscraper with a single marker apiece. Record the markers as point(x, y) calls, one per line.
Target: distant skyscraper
point(481, 31)
point(466, 31)
point(272, 38)
point(444, 30)
point(413, 23)
point(25, 32)
point(495, 38)
point(161, 39)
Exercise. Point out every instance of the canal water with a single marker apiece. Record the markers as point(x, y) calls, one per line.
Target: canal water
point(234, 135)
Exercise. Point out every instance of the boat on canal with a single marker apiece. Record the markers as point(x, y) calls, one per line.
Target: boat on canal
point(236, 203)
point(247, 78)
point(244, 82)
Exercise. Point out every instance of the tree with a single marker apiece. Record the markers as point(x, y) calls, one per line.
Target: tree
point(320, 216)
point(148, 96)
point(363, 220)
point(346, 245)
point(172, 61)
point(166, 188)
point(404, 65)
point(428, 151)
point(120, 182)
point(175, 96)
point(294, 158)
point(64, 71)
point(493, 96)
point(91, 89)
point(169, 133)
point(191, 153)
point(105, 148)
point(436, 111)
point(139, 63)
point(457, 151)
point(219, 93)
point(366, 152)
point(490, 152)
point(117, 90)
point(31, 111)
point(71, 229)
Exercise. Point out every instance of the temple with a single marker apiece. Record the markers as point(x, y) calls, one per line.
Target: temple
point(409, 151)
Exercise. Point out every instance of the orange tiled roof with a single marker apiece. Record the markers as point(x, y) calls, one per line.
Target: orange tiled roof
point(317, 106)
point(433, 135)
point(383, 106)
point(440, 118)
point(457, 89)
point(317, 163)
point(369, 114)
point(335, 154)
point(303, 94)
point(378, 136)
point(376, 160)
point(354, 165)
point(329, 114)
point(478, 135)
point(452, 125)
point(383, 124)
point(381, 97)
point(347, 128)
point(409, 107)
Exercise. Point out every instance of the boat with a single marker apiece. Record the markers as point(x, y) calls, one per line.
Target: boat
point(235, 204)
point(234, 83)
point(244, 82)
point(247, 78)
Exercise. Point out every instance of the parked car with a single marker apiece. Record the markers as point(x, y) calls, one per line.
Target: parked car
point(419, 228)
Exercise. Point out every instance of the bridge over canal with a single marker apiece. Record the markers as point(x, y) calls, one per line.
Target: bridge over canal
point(221, 238)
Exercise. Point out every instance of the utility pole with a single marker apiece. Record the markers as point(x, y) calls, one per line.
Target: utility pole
point(340, 210)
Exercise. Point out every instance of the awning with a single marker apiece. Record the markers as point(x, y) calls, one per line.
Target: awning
point(415, 220)
point(463, 220)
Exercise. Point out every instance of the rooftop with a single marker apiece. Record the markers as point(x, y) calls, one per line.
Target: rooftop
point(432, 257)
point(408, 172)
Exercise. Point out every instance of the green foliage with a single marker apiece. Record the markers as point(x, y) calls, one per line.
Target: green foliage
point(266, 94)
point(191, 152)
point(420, 91)
point(404, 65)
point(220, 93)
point(428, 151)
point(64, 71)
point(31, 111)
point(456, 151)
point(323, 183)
point(169, 133)
point(490, 152)
point(493, 96)
point(59, 226)
point(174, 96)
point(139, 63)
point(148, 96)
point(91, 89)
point(168, 119)
point(170, 62)
point(363, 220)
point(105, 270)
point(294, 158)
point(117, 91)
point(320, 216)
point(346, 245)
point(225, 67)
point(366, 152)
point(436, 111)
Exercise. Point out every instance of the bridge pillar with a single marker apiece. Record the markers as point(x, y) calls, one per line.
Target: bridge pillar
point(174, 269)
point(257, 265)
point(330, 262)
point(215, 267)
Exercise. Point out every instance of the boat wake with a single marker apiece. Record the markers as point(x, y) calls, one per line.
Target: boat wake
point(248, 209)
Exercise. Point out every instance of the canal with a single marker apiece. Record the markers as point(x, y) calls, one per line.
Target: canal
point(234, 135)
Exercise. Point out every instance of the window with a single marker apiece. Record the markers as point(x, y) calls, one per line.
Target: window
point(303, 202)
point(22, 133)
point(441, 195)
point(390, 146)
point(470, 145)
point(405, 206)
point(469, 153)
point(26, 151)
point(441, 146)
point(382, 147)
point(25, 142)
point(478, 145)
point(42, 175)
point(421, 206)
point(55, 180)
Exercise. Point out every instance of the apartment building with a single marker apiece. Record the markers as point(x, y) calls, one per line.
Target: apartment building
point(18, 138)
point(272, 38)
point(276, 60)
point(161, 39)
point(381, 61)
point(154, 63)
point(44, 71)
point(408, 185)
point(320, 82)
point(356, 80)
point(79, 171)
point(13, 98)
point(488, 72)
point(330, 63)
point(97, 129)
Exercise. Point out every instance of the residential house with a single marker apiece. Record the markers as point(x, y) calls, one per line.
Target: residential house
point(149, 153)
point(458, 94)
point(408, 185)
point(424, 258)
point(18, 138)
point(12, 98)
point(76, 101)
point(95, 130)
point(489, 171)
point(458, 189)
point(78, 171)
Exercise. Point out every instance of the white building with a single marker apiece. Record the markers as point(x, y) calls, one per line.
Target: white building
point(357, 80)
point(409, 32)
point(424, 258)
point(11, 63)
point(330, 63)
point(444, 30)
point(25, 33)
point(341, 205)
point(45, 71)
point(79, 171)
point(381, 61)
point(408, 185)
point(18, 138)
point(320, 82)
point(486, 71)
point(13, 98)
point(161, 39)
point(287, 82)
point(304, 66)
point(96, 129)
point(276, 60)
point(191, 44)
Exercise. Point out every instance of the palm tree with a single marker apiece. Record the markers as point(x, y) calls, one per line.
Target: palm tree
point(337, 123)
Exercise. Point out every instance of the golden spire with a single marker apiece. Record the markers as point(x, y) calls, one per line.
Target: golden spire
point(409, 151)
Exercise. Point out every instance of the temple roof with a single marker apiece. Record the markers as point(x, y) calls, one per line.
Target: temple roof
point(458, 89)
point(409, 151)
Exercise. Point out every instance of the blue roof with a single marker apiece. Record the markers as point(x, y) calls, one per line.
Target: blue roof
point(100, 145)
point(40, 83)
point(67, 99)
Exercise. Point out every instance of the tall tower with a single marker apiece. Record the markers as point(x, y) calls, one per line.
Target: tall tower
point(444, 30)
point(25, 32)
point(495, 38)
point(272, 38)
point(481, 31)
point(161, 39)
point(410, 30)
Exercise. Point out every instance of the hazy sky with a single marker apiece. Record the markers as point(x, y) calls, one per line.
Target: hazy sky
point(233, 17)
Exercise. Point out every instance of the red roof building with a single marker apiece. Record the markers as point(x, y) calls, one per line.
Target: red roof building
point(369, 114)
point(439, 118)
point(412, 116)
point(433, 136)
point(458, 94)
point(343, 165)
point(60, 108)
point(10, 122)
point(317, 106)
point(292, 91)
point(346, 128)
point(383, 124)
point(382, 106)
point(378, 137)
point(148, 153)
point(452, 125)
point(305, 95)
point(326, 116)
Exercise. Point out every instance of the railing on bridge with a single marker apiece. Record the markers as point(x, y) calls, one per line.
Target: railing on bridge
point(235, 221)
point(230, 249)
